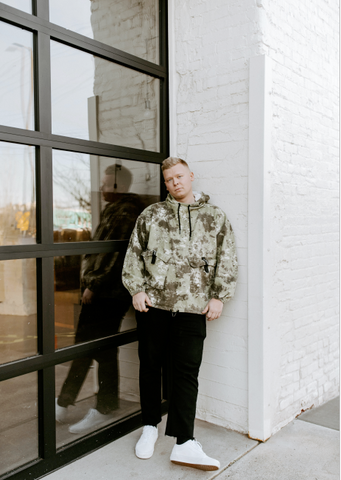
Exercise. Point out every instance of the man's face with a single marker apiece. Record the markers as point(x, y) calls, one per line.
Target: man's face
point(178, 180)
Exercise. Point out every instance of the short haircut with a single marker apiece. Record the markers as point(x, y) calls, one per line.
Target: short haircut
point(171, 162)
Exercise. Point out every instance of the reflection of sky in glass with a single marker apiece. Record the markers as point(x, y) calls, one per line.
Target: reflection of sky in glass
point(16, 93)
point(72, 77)
point(77, 18)
point(24, 5)
point(17, 174)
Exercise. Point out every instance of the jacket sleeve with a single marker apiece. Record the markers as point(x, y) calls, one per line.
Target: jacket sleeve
point(226, 272)
point(95, 280)
point(133, 267)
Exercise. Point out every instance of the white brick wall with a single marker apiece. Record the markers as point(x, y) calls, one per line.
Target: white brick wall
point(302, 40)
point(211, 45)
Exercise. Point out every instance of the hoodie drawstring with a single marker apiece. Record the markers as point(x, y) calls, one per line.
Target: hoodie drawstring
point(179, 218)
point(189, 219)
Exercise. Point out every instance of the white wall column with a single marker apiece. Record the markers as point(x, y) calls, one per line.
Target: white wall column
point(261, 331)
point(173, 81)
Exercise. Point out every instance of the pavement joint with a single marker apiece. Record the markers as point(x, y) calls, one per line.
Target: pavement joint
point(234, 461)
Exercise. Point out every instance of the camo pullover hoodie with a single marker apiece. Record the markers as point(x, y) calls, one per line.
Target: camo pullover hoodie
point(181, 255)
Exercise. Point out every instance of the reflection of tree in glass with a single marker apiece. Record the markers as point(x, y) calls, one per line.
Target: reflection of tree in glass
point(71, 180)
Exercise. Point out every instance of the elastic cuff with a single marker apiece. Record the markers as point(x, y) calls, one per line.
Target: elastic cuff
point(134, 292)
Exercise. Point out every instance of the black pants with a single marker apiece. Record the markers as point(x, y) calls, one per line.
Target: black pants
point(98, 319)
point(175, 340)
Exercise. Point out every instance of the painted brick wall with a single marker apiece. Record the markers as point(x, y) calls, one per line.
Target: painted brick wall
point(211, 44)
point(302, 39)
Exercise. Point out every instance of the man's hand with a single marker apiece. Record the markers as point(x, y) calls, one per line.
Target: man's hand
point(140, 300)
point(87, 296)
point(213, 309)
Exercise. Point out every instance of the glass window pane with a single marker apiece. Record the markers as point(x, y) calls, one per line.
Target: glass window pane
point(116, 397)
point(17, 194)
point(19, 421)
point(94, 99)
point(82, 314)
point(18, 309)
point(86, 203)
point(24, 5)
point(16, 77)
point(130, 25)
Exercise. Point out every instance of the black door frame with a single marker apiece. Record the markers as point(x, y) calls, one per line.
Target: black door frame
point(45, 250)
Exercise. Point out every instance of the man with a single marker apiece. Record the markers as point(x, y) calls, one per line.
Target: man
point(104, 302)
point(180, 266)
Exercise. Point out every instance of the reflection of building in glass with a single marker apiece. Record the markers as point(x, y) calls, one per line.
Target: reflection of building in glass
point(130, 25)
point(125, 109)
point(128, 102)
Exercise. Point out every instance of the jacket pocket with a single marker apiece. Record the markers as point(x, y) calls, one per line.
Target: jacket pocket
point(156, 268)
point(200, 275)
point(205, 262)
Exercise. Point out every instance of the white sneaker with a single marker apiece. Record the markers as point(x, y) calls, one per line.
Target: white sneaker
point(145, 446)
point(191, 454)
point(91, 419)
point(61, 413)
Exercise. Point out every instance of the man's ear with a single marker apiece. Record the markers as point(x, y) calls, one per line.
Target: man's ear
point(192, 176)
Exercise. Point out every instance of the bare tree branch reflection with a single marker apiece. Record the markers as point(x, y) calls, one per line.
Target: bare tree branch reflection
point(70, 179)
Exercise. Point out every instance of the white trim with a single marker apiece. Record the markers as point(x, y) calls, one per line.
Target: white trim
point(172, 80)
point(260, 328)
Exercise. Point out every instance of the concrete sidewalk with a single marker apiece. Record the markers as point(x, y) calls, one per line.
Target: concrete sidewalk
point(306, 449)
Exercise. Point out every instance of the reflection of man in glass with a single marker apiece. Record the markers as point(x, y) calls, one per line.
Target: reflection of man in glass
point(104, 301)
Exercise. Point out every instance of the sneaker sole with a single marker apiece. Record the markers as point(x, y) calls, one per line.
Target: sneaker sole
point(80, 432)
point(146, 456)
point(206, 468)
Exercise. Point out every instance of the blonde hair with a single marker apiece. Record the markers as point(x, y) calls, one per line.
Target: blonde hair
point(171, 162)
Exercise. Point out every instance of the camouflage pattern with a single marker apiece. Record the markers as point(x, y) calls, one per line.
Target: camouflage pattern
point(181, 255)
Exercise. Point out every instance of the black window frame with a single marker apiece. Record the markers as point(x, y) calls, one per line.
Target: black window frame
point(45, 249)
